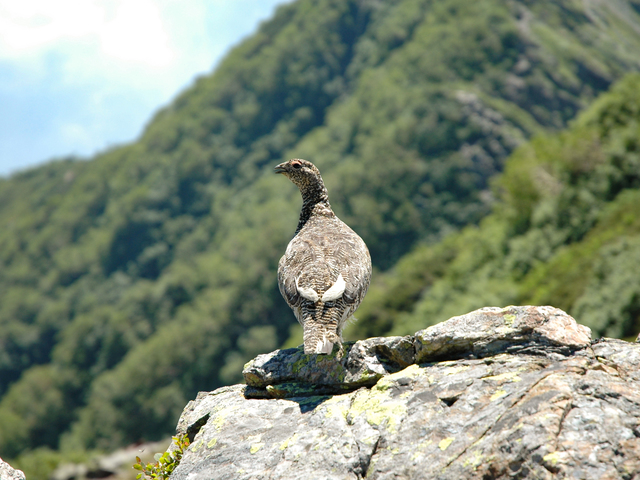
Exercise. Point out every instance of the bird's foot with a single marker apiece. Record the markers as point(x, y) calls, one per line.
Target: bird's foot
point(337, 340)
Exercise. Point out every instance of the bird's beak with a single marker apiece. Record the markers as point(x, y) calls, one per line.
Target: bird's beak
point(280, 168)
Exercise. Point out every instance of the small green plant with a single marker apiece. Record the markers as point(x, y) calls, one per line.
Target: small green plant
point(165, 462)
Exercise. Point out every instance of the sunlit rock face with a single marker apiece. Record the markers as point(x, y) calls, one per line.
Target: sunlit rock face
point(7, 472)
point(519, 392)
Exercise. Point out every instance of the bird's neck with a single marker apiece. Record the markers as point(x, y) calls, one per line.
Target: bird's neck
point(315, 200)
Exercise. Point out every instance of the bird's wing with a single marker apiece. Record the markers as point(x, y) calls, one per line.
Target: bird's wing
point(300, 257)
point(325, 266)
point(354, 264)
point(287, 283)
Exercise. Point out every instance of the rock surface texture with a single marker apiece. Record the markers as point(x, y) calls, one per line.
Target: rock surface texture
point(519, 392)
point(7, 472)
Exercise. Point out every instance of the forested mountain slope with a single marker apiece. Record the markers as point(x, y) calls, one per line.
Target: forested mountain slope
point(131, 281)
point(565, 232)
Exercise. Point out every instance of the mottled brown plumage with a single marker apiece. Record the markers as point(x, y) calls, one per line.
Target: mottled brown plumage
point(325, 271)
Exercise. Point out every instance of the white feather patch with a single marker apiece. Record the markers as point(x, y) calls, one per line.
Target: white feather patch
point(336, 290)
point(308, 293)
point(324, 346)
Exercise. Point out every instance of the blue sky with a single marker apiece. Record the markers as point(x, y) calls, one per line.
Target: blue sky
point(79, 76)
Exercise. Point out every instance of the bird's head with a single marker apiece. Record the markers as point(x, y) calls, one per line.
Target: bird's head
point(301, 172)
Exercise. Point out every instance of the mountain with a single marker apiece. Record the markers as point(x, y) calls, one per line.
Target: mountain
point(131, 281)
point(565, 232)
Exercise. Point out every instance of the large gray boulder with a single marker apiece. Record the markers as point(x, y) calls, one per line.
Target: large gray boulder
point(7, 472)
point(520, 392)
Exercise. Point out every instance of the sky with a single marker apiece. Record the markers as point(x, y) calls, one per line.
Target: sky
point(80, 76)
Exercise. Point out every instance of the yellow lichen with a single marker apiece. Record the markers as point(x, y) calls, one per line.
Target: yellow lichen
point(289, 441)
point(421, 446)
point(197, 446)
point(255, 447)
point(319, 442)
point(377, 407)
point(474, 460)
point(372, 465)
point(444, 443)
point(425, 444)
point(382, 385)
point(412, 371)
point(508, 376)
point(212, 442)
point(370, 440)
point(220, 415)
point(553, 458)
point(498, 394)
point(454, 370)
point(337, 406)
point(509, 318)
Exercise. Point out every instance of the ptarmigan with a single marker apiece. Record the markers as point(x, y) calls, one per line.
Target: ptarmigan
point(325, 271)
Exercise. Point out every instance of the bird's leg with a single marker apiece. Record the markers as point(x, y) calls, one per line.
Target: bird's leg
point(337, 339)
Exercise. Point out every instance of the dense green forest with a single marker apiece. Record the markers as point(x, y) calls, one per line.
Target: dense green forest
point(565, 231)
point(131, 281)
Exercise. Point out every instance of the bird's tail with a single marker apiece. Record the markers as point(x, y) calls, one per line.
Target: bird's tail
point(321, 329)
point(317, 340)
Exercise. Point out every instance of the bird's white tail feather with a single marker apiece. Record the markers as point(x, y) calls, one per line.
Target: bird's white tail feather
point(324, 346)
point(308, 293)
point(336, 290)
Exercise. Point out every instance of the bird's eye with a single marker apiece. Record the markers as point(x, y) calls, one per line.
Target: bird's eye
point(296, 165)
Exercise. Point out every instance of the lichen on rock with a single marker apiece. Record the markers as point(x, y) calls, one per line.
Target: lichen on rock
point(499, 393)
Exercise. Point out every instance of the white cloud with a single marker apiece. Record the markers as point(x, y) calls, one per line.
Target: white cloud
point(137, 34)
point(79, 75)
point(130, 30)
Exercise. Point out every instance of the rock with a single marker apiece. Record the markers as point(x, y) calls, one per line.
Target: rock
point(284, 373)
point(492, 330)
point(7, 472)
point(499, 393)
point(619, 355)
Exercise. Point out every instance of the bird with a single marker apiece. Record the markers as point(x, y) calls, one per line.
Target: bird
point(325, 271)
